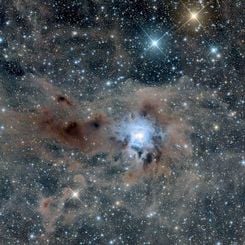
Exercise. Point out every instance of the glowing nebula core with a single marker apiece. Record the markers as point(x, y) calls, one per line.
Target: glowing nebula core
point(141, 136)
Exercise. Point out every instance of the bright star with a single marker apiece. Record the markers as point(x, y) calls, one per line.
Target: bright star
point(75, 194)
point(194, 15)
point(214, 50)
point(216, 127)
point(154, 43)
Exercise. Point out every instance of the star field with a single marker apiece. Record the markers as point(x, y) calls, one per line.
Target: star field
point(122, 122)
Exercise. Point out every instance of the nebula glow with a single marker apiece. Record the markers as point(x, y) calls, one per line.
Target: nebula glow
point(141, 135)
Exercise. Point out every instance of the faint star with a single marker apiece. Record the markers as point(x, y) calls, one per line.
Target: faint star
point(243, 162)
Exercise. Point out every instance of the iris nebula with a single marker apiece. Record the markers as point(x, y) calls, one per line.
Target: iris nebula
point(141, 135)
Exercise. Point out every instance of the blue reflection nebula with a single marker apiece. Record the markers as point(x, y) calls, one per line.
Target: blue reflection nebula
point(138, 133)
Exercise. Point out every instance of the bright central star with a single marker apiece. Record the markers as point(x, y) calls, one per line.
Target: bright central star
point(139, 136)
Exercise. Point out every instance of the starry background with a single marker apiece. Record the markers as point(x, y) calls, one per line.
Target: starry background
point(87, 48)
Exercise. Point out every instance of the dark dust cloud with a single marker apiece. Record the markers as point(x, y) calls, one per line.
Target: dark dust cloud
point(122, 122)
